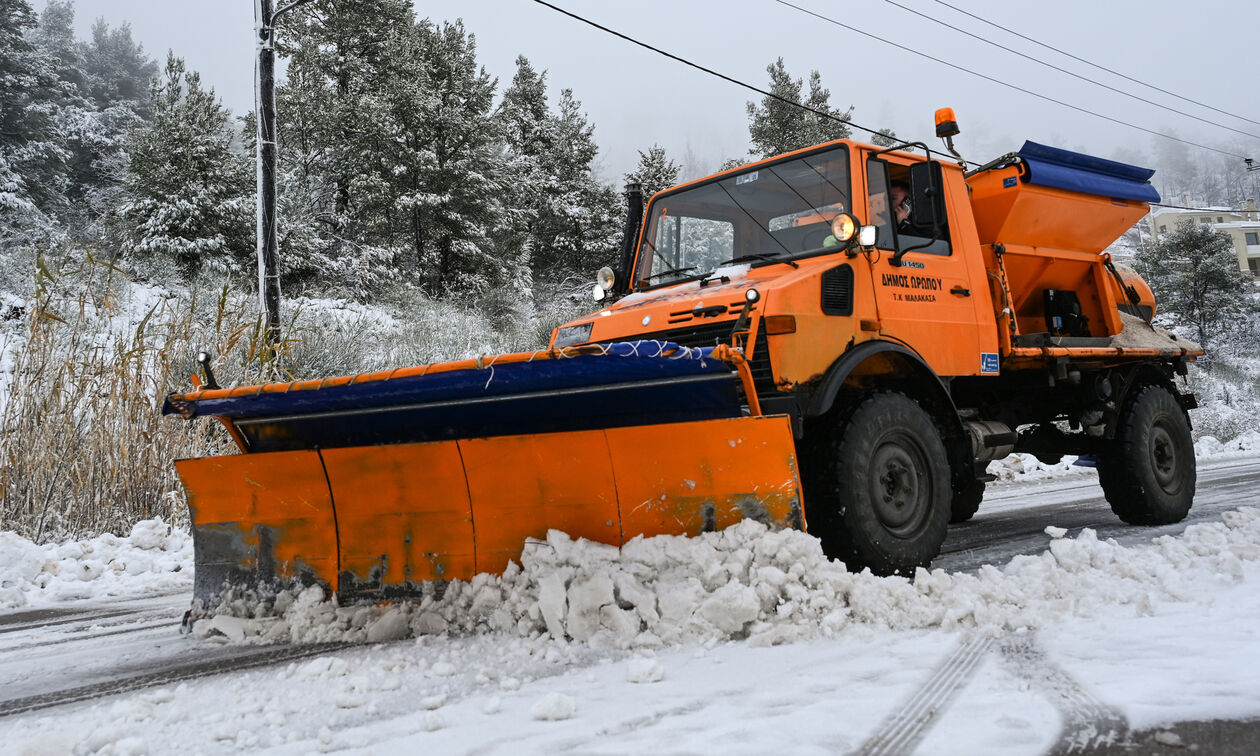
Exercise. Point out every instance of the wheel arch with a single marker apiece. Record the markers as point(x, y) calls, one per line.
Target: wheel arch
point(1139, 376)
point(885, 365)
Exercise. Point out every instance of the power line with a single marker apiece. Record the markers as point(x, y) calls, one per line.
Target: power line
point(1077, 108)
point(1095, 65)
point(711, 72)
point(1060, 69)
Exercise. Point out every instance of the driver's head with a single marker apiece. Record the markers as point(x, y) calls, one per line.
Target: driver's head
point(898, 194)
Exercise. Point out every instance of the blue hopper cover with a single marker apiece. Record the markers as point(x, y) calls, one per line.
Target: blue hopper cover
point(1076, 172)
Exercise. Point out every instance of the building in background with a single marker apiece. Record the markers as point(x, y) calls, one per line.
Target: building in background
point(1243, 227)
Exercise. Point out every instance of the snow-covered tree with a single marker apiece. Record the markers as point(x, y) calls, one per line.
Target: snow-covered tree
point(444, 181)
point(523, 111)
point(334, 125)
point(655, 171)
point(776, 127)
point(32, 153)
point(1194, 274)
point(191, 193)
point(582, 231)
point(118, 70)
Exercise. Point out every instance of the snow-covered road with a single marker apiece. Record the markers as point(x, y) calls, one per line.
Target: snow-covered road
point(881, 681)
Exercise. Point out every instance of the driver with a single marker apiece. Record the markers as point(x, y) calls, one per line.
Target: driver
point(899, 193)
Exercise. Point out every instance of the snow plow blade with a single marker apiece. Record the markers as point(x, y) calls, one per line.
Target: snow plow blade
point(437, 495)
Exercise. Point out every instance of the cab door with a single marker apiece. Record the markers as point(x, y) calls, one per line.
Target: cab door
point(929, 301)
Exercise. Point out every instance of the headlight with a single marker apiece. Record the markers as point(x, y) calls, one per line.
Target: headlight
point(570, 335)
point(843, 227)
point(866, 236)
point(606, 278)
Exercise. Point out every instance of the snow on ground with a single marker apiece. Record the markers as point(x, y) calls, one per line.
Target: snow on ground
point(1160, 632)
point(744, 641)
point(154, 558)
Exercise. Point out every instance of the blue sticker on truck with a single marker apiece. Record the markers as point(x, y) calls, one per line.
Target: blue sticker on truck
point(988, 362)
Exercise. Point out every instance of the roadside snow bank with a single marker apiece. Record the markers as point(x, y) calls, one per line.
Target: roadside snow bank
point(766, 587)
point(1245, 445)
point(1025, 467)
point(155, 557)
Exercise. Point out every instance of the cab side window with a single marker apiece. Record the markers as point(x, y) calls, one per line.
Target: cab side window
point(891, 201)
point(877, 194)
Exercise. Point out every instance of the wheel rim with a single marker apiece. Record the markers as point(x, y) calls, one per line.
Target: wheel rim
point(899, 485)
point(1162, 450)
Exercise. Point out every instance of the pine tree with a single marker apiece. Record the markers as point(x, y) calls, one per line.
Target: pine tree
point(1193, 272)
point(191, 193)
point(776, 127)
point(91, 130)
point(446, 182)
point(340, 142)
point(523, 111)
point(119, 73)
point(886, 138)
point(32, 153)
point(656, 171)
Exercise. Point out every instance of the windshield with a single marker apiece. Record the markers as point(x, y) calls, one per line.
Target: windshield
point(775, 211)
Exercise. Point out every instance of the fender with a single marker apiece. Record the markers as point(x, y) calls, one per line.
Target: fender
point(821, 399)
point(933, 395)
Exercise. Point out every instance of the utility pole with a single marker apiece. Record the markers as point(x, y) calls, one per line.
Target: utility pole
point(265, 17)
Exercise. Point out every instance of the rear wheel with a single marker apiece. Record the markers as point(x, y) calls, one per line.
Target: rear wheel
point(966, 502)
point(884, 481)
point(1147, 471)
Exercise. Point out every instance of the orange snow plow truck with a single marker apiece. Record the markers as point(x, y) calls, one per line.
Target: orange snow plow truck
point(841, 337)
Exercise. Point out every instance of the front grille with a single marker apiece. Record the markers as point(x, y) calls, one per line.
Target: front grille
point(704, 334)
point(712, 311)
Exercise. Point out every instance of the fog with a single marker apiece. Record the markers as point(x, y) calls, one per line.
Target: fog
point(637, 98)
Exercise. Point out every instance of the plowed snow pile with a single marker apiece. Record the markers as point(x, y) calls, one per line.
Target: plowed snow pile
point(155, 557)
point(747, 582)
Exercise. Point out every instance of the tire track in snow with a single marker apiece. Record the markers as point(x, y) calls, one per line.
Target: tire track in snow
point(1087, 722)
point(906, 727)
point(172, 674)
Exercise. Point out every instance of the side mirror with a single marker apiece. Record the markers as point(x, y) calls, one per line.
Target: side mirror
point(927, 195)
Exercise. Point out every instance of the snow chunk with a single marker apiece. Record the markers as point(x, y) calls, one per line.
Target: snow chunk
point(644, 671)
point(553, 707)
point(150, 534)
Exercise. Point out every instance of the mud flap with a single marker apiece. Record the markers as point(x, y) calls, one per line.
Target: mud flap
point(380, 521)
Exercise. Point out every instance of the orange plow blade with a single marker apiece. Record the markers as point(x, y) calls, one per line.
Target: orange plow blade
point(379, 521)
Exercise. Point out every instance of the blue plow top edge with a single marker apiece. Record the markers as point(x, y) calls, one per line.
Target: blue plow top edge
point(1076, 172)
point(632, 383)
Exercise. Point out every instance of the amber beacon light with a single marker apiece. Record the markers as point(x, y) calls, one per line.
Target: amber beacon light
point(946, 123)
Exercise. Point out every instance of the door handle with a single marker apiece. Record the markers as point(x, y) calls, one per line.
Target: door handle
point(960, 291)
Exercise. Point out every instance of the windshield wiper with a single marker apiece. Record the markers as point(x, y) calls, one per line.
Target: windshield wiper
point(668, 272)
point(771, 257)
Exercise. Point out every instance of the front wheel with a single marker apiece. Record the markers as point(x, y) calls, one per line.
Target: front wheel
point(885, 480)
point(1147, 471)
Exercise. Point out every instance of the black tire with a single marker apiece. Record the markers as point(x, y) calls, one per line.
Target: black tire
point(1147, 471)
point(883, 480)
point(966, 502)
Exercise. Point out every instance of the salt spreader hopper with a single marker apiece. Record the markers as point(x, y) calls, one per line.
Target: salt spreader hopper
point(372, 484)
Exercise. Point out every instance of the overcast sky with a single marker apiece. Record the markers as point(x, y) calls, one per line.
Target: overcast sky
point(1206, 51)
